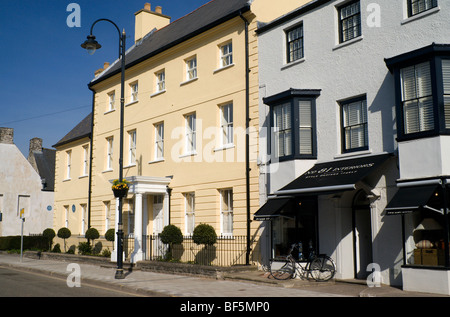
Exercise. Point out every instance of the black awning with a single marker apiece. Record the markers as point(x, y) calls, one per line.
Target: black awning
point(334, 176)
point(410, 199)
point(271, 209)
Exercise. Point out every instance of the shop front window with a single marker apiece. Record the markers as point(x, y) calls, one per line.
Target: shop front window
point(296, 223)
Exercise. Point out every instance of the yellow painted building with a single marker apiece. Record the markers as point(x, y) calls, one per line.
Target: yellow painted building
point(191, 93)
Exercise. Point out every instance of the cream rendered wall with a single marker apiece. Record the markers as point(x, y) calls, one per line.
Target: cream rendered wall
point(210, 169)
point(73, 191)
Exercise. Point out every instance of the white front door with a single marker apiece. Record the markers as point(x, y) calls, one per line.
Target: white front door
point(158, 225)
point(158, 214)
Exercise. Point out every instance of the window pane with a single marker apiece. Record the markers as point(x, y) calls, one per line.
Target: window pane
point(305, 120)
point(446, 76)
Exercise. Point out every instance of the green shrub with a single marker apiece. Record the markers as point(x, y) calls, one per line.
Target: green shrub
point(92, 234)
point(84, 248)
point(110, 235)
point(29, 243)
point(64, 233)
point(49, 233)
point(106, 253)
point(171, 235)
point(56, 248)
point(204, 234)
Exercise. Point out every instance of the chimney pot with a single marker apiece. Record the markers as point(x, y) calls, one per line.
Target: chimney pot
point(158, 9)
point(7, 135)
point(105, 65)
point(147, 7)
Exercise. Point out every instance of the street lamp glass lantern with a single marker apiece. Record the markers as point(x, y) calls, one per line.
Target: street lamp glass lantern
point(91, 45)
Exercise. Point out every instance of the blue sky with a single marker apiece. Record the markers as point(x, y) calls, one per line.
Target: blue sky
point(45, 72)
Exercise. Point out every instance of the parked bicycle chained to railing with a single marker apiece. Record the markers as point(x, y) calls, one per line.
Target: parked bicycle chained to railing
point(321, 267)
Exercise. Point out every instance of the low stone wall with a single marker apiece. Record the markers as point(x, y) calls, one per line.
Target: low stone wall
point(152, 266)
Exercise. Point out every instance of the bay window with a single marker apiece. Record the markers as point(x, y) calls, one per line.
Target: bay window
point(293, 124)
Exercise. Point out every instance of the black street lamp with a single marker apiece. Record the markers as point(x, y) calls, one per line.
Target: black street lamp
point(91, 45)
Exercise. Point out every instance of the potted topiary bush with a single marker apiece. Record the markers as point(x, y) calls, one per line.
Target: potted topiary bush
point(92, 234)
point(64, 233)
point(171, 235)
point(204, 234)
point(49, 233)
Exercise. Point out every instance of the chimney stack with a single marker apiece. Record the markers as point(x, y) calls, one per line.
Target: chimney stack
point(6, 135)
point(36, 145)
point(146, 20)
point(101, 70)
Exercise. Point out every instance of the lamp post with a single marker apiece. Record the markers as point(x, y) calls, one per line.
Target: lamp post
point(91, 45)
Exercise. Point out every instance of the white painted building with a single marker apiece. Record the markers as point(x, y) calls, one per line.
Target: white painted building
point(354, 131)
point(24, 187)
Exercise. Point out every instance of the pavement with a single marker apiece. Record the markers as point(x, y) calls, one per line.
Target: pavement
point(255, 284)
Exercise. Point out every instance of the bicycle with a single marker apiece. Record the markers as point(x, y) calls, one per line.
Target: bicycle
point(321, 267)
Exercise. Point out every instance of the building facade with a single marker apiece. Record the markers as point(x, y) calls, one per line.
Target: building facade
point(353, 130)
point(26, 187)
point(191, 96)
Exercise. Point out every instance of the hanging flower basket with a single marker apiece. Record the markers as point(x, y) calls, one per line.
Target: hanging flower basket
point(120, 189)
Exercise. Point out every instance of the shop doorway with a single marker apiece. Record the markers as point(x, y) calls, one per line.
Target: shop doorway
point(362, 235)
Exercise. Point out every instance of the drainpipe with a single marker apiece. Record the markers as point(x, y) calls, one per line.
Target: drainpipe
point(247, 139)
point(91, 137)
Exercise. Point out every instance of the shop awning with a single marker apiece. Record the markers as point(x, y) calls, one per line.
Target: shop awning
point(410, 199)
point(271, 209)
point(334, 176)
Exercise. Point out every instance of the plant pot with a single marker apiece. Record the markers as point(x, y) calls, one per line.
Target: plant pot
point(120, 193)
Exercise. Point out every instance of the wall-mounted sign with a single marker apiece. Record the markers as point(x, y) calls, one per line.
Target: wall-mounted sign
point(73, 208)
point(49, 208)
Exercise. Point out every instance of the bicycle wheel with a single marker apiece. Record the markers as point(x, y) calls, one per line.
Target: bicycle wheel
point(282, 268)
point(322, 268)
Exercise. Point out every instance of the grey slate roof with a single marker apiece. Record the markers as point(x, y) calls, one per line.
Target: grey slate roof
point(45, 162)
point(82, 130)
point(203, 18)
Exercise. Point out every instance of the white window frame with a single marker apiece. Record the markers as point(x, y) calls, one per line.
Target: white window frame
point(109, 153)
point(160, 81)
point(66, 213)
point(159, 141)
point(189, 212)
point(191, 68)
point(111, 101)
point(190, 133)
point(107, 209)
point(226, 124)
point(83, 218)
point(85, 170)
point(134, 91)
point(68, 164)
point(226, 54)
point(226, 213)
point(132, 139)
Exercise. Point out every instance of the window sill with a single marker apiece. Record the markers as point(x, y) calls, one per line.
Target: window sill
point(420, 15)
point(349, 42)
point(350, 154)
point(223, 68)
point(188, 154)
point(157, 93)
point(67, 180)
point(224, 147)
point(294, 63)
point(188, 81)
point(83, 176)
point(130, 165)
point(131, 103)
point(109, 111)
point(156, 160)
point(108, 170)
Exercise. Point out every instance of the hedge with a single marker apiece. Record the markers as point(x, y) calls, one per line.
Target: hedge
point(29, 242)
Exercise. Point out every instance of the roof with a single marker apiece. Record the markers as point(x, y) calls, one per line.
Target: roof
point(82, 130)
point(198, 21)
point(263, 27)
point(45, 162)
